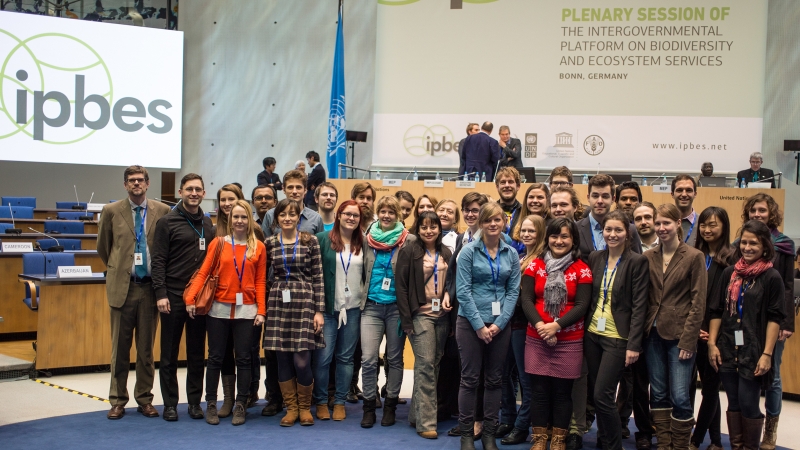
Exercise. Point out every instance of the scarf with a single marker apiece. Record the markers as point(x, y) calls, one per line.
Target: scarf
point(744, 271)
point(555, 288)
point(386, 240)
point(782, 242)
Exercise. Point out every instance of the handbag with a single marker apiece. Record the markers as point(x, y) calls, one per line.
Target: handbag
point(205, 296)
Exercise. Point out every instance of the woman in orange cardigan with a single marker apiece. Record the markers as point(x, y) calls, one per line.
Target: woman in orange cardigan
point(238, 304)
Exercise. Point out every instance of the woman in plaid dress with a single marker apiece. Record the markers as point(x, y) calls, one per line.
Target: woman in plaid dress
point(294, 310)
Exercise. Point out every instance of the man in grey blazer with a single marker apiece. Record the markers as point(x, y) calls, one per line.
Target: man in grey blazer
point(124, 239)
point(511, 148)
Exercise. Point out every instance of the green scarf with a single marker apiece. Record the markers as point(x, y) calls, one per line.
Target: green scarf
point(383, 240)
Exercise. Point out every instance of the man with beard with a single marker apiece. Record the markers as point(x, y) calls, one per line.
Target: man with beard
point(564, 202)
point(628, 196)
point(406, 201)
point(644, 215)
point(364, 194)
point(684, 190)
point(507, 182)
point(326, 197)
point(263, 198)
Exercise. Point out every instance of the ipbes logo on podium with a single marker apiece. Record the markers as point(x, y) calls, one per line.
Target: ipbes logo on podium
point(68, 95)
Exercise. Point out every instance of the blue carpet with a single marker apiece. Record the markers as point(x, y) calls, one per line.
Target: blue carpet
point(93, 430)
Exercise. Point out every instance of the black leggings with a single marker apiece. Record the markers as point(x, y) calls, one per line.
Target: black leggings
point(218, 338)
point(554, 395)
point(295, 364)
point(743, 394)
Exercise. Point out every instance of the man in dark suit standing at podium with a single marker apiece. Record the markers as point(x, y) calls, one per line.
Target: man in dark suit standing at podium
point(315, 178)
point(481, 153)
point(511, 148)
point(756, 173)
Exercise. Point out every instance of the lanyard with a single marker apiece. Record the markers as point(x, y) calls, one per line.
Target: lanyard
point(283, 253)
point(341, 258)
point(388, 264)
point(689, 234)
point(511, 221)
point(740, 302)
point(708, 262)
point(239, 273)
point(607, 282)
point(436, 271)
point(495, 276)
point(469, 236)
point(594, 244)
point(200, 233)
point(141, 227)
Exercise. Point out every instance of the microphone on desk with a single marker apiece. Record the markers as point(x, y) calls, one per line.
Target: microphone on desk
point(56, 248)
point(464, 175)
point(13, 229)
point(174, 205)
point(87, 216)
point(777, 175)
point(409, 173)
point(78, 206)
point(38, 246)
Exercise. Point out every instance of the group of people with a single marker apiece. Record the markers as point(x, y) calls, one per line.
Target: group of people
point(588, 312)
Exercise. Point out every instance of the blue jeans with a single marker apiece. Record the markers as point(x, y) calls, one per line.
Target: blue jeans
point(775, 392)
point(378, 320)
point(670, 376)
point(341, 343)
point(516, 358)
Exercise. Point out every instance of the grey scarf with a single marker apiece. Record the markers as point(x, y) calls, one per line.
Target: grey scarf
point(555, 288)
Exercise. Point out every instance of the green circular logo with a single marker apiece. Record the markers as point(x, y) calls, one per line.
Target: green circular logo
point(436, 140)
point(24, 71)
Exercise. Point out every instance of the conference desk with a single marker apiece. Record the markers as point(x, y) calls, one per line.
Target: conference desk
point(52, 213)
point(88, 241)
point(89, 227)
point(731, 199)
point(74, 326)
point(18, 317)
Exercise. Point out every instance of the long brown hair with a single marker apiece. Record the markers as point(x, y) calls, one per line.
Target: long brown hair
point(356, 241)
point(724, 250)
point(222, 218)
point(525, 212)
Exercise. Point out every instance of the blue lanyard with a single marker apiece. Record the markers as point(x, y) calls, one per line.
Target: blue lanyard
point(689, 234)
point(740, 302)
point(239, 273)
point(283, 253)
point(708, 262)
point(388, 263)
point(594, 244)
point(436, 271)
point(201, 233)
point(141, 228)
point(469, 236)
point(607, 282)
point(511, 221)
point(495, 276)
point(341, 258)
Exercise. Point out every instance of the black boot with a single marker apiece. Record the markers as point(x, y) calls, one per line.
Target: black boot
point(389, 408)
point(369, 414)
point(488, 438)
point(467, 435)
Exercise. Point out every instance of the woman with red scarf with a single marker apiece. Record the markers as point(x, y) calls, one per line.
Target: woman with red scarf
point(745, 321)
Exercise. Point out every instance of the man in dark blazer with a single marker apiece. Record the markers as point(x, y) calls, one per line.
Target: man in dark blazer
point(756, 172)
point(601, 197)
point(481, 152)
point(315, 178)
point(124, 248)
point(511, 149)
point(472, 128)
point(268, 177)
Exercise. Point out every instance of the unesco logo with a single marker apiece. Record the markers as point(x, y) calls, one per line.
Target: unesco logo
point(66, 96)
point(594, 145)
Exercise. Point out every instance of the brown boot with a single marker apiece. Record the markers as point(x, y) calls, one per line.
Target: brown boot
point(751, 437)
point(304, 404)
point(559, 438)
point(289, 393)
point(229, 393)
point(322, 411)
point(339, 413)
point(681, 431)
point(539, 439)
point(735, 429)
point(770, 439)
point(662, 422)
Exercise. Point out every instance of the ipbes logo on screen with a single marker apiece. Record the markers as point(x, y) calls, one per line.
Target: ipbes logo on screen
point(436, 140)
point(67, 97)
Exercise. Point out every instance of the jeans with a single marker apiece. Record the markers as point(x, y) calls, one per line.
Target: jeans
point(255, 358)
point(670, 376)
point(634, 397)
point(709, 416)
point(377, 321)
point(519, 418)
point(775, 392)
point(605, 358)
point(552, 397)
point(172, 326)
point(427, 342)
point(580, 402)
point(341, 344)
point(743, 395)
point(218, 332)
point(477, 355)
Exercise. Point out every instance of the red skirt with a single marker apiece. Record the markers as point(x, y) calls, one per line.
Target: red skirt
point(563, 360)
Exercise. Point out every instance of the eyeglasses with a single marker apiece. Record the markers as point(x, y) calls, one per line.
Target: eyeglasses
point(471, 211)
point(136, 180)
point(351, 215)
point(260, 198)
